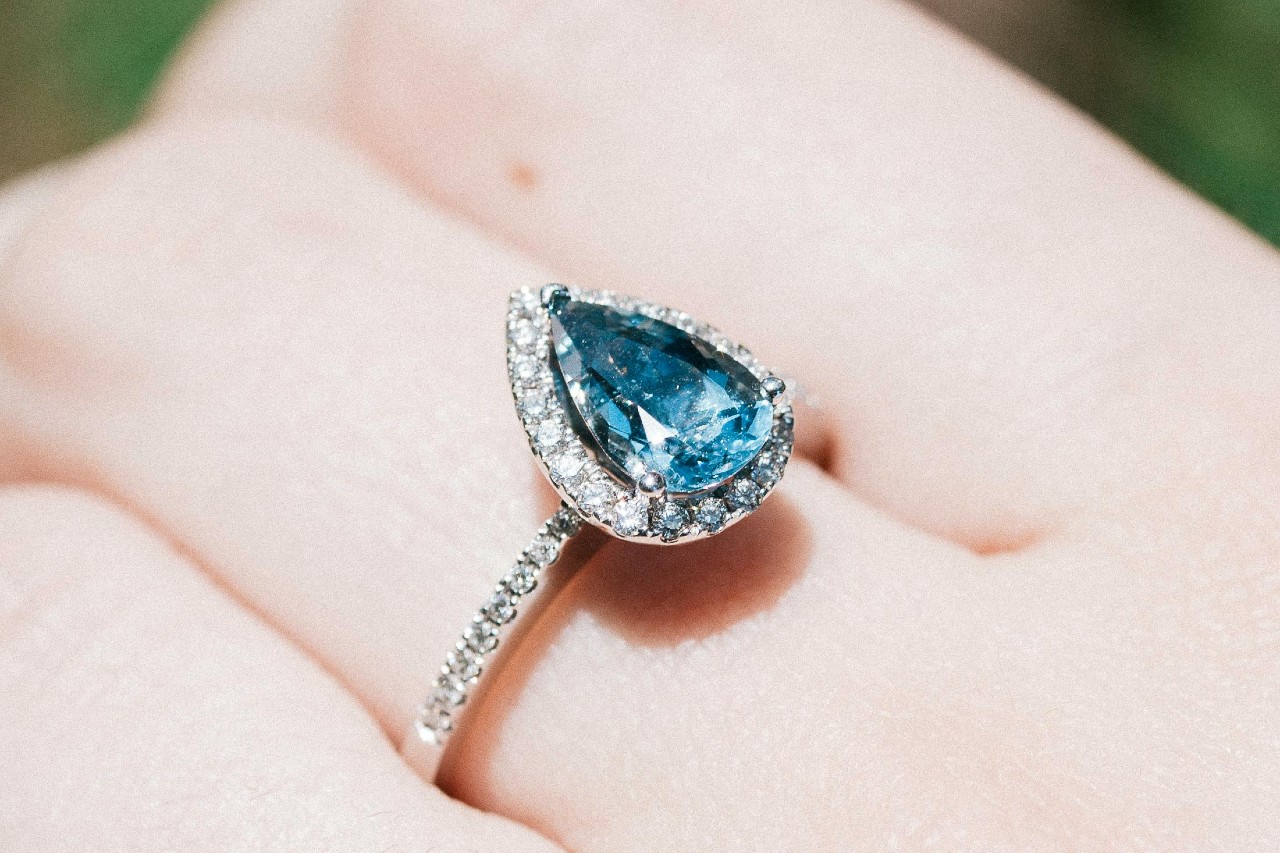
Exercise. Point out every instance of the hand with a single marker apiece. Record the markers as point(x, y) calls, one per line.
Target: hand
point(1021, 596)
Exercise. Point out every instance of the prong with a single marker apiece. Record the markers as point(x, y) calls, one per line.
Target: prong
point(652, 484)
point(554, 295)
point(774, 387)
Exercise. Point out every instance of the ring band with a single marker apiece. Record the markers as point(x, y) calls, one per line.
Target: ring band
point(651, 426)
point(471, 655)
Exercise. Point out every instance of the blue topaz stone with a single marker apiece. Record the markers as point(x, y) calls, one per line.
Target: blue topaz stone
point(649, 425)
point(652, 397)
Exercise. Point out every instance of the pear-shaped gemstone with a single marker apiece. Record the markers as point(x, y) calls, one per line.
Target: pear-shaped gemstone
point(655, 398)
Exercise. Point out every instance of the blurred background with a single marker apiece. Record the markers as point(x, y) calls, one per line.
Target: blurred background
point(1193, 84)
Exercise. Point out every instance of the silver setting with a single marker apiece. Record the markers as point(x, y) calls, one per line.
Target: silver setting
point(466, 661)
point(638, 511)
point(633, 509)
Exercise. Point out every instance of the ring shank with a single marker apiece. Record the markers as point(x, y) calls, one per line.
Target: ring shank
point(469, 666)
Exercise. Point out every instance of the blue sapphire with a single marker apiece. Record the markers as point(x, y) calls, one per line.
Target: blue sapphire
point(655, 398)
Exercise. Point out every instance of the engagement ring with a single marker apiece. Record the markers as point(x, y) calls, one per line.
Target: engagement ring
point(650, 425)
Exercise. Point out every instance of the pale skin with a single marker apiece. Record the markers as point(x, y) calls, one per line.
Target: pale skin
point(1021, 593)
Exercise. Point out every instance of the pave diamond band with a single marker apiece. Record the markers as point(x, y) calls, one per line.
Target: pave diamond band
point(650, 425)
point(475, 649)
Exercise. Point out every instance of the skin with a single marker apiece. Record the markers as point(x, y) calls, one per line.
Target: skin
point(1021, 594)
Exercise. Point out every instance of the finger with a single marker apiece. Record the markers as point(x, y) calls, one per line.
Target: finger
point(996, 300)
point(793, 687)
point(144, 710)
point(301, 377)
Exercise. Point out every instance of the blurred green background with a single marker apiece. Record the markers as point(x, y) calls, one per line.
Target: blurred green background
point(1194, 84)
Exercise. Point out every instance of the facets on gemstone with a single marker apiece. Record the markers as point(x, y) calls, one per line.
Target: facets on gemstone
point(464, 663)
point(481, 637)
point(656, 398)
point(544, 551)
point(501, 608)
point(596, 497)
point(525, 368)
point(744, 494)
point(450, 691)
point(524, 334)
point(534, 403)
point(567, 464)
point(710, 514)
point(631, 516)
point(671, 517)
point(786, 423)
point(767, 470)
point(565, 522)
point(522, 580)
point(548, 433)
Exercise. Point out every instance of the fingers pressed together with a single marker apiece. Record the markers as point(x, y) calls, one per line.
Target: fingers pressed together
point(1025, 602)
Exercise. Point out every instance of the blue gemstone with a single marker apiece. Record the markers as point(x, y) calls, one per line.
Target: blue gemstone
point(655, 398)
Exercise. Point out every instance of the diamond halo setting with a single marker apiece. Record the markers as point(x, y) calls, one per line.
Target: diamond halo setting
point(650, 425)
point(717, 450)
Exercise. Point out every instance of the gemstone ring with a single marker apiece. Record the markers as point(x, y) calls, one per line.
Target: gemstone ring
point(650, 425)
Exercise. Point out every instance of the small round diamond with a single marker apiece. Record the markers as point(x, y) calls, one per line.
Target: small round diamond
point(631, 516)
point(450, 691)
point(464, 663)
point(534, 403)
point(501, 608)
point(596, 497)
point(526, 368)
point(671, 518)
point(744, 494)
point(544, 551)
point(567, 464)
point(481, 637)
point(768, 469)
point(524, 334)
point(711, 514)
point(521, 581)
point(548, 433)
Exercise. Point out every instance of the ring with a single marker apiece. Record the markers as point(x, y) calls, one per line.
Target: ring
point(650, 425)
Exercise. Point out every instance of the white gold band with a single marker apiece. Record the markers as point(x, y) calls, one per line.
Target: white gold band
point(463, 666)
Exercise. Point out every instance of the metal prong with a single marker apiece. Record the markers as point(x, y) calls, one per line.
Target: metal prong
point(774, 387)
point(554, 295)
point(652, 484)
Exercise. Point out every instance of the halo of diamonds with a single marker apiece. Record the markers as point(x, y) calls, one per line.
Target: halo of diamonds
point(466, 661)
point(570, 463)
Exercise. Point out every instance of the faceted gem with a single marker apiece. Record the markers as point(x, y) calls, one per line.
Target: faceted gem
point(655, 398)
point(481, 637)
point(711, 514)
point(501, 608)
point(744, 494)
point(672, 517)
point(522, 581)
point(631, 516)
point(464, 663)
point(548, 433)
point(596, 497)
point(567, 464)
